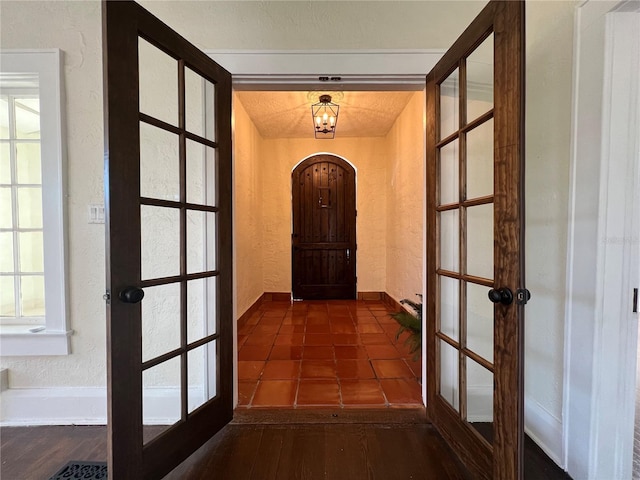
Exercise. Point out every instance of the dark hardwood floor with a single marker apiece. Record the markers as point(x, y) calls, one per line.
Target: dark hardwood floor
point(324, 451)
point(283, 445)
point(36, 453)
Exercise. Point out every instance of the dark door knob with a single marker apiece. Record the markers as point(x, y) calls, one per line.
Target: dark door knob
point(131, 295)
point(501, 295)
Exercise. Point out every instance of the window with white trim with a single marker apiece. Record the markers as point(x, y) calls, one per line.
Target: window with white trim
point(33, 312)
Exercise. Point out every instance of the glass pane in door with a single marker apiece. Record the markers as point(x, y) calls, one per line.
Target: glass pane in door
point(160, 320)
point(449, 105)
point(158, 87)
point(201, 231)
point(196, 366)
point(199, 113)
point(480, 80)
point(449, 374)
point(161, 398)
point(449, 240)
point(160, 241)
point(201, 308)
point(480, 241)
point(479, 393)
point(159, 163)
point(201, 365)
point(201, 174)
point(479, 321)
point(480, 160)
point(450, 307)
point(449, 174)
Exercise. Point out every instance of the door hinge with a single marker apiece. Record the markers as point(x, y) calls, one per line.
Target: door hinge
point(635, 300)
point(107, 297)
point(522, 296)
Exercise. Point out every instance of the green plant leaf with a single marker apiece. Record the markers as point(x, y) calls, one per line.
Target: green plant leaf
point(411, 323)
point(408, 321)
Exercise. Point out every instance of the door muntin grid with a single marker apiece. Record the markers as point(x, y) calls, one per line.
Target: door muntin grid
point(179, 236)
point(464, 233)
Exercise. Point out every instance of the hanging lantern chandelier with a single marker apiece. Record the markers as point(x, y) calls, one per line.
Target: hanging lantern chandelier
point(325, 117)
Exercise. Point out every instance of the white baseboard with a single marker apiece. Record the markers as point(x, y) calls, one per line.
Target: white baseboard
point(88, 406)
point(544, 429)
point(84, 406)
point(54, 406)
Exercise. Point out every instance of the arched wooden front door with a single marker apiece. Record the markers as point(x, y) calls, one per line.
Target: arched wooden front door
point(323, 243)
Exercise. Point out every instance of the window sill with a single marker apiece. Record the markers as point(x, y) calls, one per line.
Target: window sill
point(16, 340)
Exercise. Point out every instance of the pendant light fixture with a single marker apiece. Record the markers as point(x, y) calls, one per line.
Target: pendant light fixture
point(325, 117)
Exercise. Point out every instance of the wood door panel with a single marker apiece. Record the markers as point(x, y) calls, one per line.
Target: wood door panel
point(130, 454)
point(323, 239)
point(458, 436)
point(491, 449)
point(325, 273)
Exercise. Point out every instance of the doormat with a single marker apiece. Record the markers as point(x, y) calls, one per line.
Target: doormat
point(82, 470)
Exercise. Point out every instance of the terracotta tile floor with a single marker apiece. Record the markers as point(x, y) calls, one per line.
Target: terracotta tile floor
point(325, 354)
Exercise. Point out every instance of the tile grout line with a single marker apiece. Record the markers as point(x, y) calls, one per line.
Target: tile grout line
point(289, 313)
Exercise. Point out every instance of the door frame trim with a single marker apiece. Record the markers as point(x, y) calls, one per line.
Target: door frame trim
point(328, 153)
point(596, 329)
point(254, 67)
point(300, 69)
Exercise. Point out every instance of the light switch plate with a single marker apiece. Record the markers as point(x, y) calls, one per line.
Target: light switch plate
point(96, 213)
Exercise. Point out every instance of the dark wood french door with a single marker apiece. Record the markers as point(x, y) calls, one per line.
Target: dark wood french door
point(168, 230)
point(324, 229)
point(475, 266)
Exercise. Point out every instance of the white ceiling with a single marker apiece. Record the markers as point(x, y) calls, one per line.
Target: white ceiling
point(279, 114)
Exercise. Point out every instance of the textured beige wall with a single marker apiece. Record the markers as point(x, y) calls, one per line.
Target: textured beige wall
point(75, 28)
point(248, 210)
point(390, 179)
point(405, 204)
point(368, 156)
